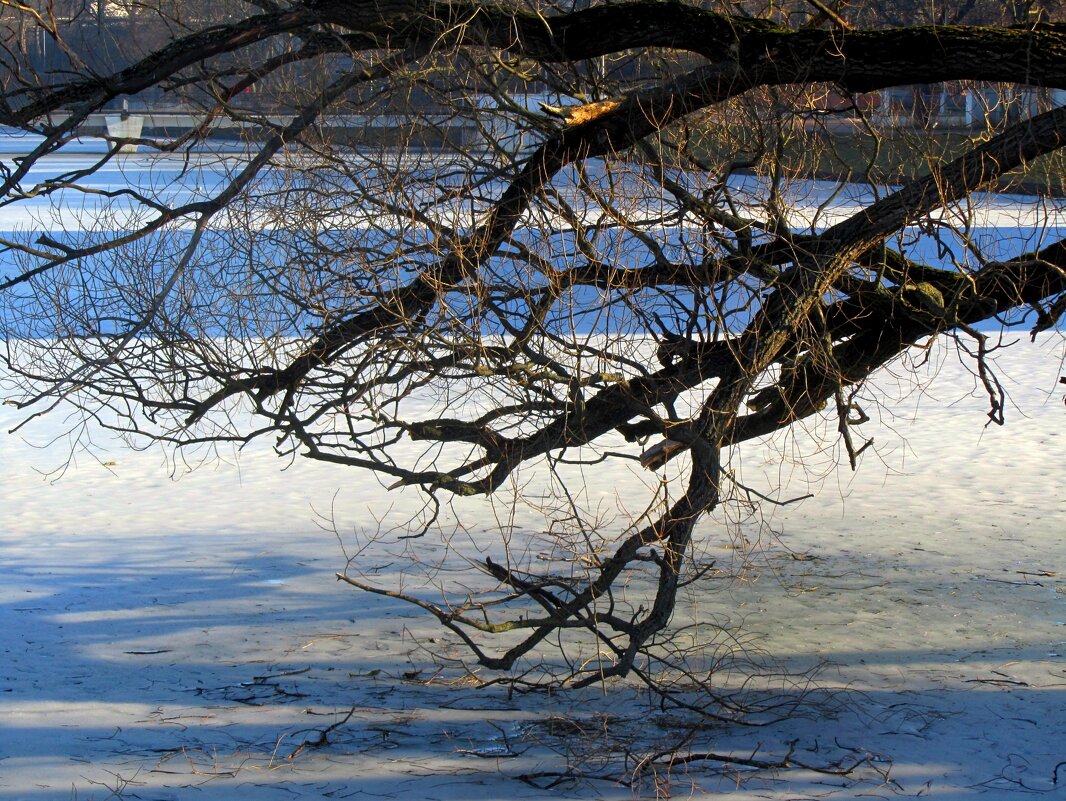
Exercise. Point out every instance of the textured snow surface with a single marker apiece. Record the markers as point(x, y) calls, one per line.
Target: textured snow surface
point(179, 639)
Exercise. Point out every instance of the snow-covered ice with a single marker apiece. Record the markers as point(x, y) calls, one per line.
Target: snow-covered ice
point(184, 639)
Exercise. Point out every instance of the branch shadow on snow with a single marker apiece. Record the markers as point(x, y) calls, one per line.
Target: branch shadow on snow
point(162, 674)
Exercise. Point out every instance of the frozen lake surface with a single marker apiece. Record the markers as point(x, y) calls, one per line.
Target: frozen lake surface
point(180, 637)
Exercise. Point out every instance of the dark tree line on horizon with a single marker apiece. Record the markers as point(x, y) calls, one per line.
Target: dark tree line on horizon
point(108, 35)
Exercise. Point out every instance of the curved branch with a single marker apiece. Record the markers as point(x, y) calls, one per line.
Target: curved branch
point(162, 64)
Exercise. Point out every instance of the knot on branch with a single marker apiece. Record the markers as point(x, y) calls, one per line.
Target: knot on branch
point(662, 452)
point(923, 296)
point(583, 114)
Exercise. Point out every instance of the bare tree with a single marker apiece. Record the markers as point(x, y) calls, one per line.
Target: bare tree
point(523, 236)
